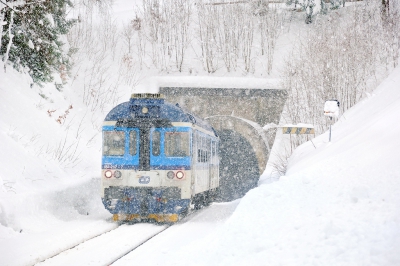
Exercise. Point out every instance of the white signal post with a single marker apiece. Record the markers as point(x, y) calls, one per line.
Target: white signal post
point(331, 109)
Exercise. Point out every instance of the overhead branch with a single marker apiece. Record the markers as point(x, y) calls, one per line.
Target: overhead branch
point(18, 3)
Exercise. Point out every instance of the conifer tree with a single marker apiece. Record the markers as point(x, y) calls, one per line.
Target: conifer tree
point(35, 41)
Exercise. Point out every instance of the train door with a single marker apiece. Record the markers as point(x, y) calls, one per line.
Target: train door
point(212, 165)
point(203, 154)
point(195, 137)
point(144, 149)
point(216, 158)
point(155, 147)
point(208, 162)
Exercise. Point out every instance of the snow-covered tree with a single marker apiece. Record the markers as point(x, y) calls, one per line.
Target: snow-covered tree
point(340, 62)
point(208, 18)
point(166, 25)
point(269, 24)
point(11, 5)
point(33, 42)
point(313, 7)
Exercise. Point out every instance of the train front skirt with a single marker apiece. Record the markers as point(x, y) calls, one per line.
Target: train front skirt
point(159, 204)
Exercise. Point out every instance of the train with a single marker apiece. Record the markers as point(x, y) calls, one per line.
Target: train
point(159, 161)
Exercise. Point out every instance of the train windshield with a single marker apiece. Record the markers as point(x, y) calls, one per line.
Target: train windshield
point(113, 143)
point(177, 144)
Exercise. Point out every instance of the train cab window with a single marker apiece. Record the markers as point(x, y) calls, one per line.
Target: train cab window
point(133, 142)
point(177, 144)
point(156, 139)
point(113, 143)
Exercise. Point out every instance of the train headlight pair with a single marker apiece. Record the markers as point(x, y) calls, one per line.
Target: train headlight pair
point(170, 175)
point(109, 174)
point(117, 174)
point(178, 175)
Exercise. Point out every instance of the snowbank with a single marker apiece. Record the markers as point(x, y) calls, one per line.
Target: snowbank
point(338, 204)
point(49, 176)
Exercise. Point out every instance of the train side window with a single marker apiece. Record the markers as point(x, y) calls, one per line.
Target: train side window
point(156, 140)
point(202, 156)
point(177, 144)
point(113, 143)
point(133, 142)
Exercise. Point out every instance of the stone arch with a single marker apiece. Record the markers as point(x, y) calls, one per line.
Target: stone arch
point(244, 151)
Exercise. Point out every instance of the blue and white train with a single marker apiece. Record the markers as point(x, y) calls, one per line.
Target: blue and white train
point(158, 160)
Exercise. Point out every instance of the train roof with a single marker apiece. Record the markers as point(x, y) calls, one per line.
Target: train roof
point(164, 110)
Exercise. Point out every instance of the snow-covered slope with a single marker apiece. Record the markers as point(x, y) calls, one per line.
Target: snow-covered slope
point(47, 170)
point(339, 203)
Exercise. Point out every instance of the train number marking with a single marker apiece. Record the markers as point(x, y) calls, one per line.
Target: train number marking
point(144, 179)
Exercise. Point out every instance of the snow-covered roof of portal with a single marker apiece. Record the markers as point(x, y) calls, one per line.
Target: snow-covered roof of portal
point(153, 84)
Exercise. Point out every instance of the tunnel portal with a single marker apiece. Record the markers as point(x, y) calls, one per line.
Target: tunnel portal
point(237, 115)
point(238, 166)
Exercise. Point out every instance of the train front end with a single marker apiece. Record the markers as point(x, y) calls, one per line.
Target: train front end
point(146, 162)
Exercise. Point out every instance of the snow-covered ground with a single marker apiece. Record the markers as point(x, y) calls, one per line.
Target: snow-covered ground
point(338, 203)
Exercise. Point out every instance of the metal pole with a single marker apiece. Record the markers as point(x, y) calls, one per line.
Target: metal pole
point(330, 130)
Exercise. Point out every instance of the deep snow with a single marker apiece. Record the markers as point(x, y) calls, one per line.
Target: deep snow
point(338, 204)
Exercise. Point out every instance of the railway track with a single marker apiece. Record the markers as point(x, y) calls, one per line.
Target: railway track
point(107, 247)
point(110, 246)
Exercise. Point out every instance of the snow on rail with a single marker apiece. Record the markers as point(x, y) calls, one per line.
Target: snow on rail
point(107, 248)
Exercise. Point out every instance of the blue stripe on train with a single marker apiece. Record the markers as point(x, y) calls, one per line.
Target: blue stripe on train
point(152, 167)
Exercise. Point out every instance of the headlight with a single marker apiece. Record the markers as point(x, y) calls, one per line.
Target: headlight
point(179, 175)
point(170, 175)
point(108, 174)
point(117, 174)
